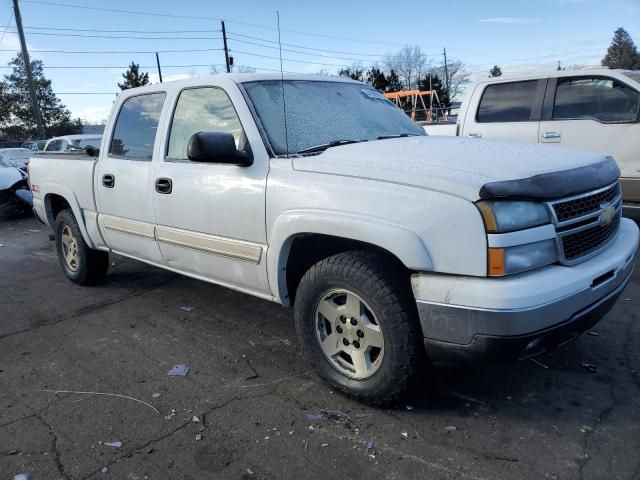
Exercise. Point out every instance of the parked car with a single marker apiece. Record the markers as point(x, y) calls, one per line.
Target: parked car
point(35, 145)
point(15, 196)
point(592, 109)
point(18, 156)
point(72, 142)
point(391, 246)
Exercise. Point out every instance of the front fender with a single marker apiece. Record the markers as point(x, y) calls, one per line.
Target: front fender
point(397, 239)
point(53, 189)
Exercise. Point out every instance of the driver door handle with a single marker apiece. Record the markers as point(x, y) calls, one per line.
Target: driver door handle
point(108, 180)
point(164, 185)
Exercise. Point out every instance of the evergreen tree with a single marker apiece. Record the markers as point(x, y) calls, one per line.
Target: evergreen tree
point(377, 79)
point(356, 73)
point(394, 83)
point(133, 78)
point(438, 85)
point(622, 52)
point(496, 71)
point(16, 111)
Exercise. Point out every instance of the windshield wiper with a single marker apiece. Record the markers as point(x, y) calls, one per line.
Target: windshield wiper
point(400, 135)
point(324, 146)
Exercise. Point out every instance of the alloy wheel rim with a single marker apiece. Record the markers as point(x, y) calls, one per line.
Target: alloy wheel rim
point(69, 246)
point(349, 334)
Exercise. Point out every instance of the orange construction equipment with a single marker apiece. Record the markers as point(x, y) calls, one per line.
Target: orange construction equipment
point(415, 95)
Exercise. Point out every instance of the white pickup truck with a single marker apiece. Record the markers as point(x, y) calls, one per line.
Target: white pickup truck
point(393, 247)
point(590, 109)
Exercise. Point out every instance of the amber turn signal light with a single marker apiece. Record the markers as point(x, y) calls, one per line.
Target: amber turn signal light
point(497, 267)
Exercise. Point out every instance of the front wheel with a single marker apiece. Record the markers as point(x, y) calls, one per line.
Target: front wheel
point(358, 323)
point(81, 264)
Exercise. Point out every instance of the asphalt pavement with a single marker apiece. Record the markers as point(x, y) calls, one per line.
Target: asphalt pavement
point(248, 407)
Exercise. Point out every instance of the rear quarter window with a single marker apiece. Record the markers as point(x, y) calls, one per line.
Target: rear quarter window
point(603, 99)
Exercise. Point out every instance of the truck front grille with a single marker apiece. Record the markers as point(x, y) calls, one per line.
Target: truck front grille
point(567, 210)
point(583, 243)
point(586, 223)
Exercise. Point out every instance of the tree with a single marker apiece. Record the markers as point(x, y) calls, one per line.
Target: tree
point(355, 72)
point(377, 79)
point(394, 83)
point(622, 52)
point(410, 65)
point(496, 71)
point(133, 78)
point(16, 111)
point(458, 79)
point(438, 86)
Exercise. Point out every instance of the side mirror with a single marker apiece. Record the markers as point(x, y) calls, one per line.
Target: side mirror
point(217, 147)
point(92, 151)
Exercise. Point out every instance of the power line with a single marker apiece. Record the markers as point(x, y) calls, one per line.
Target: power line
point(307, 48)
point(4, 32)
point(120, 36)
point(291, 60)
point(86, 93)
point(118, 51)
point(302, 53)
point(89, 67)
point(202, 18)
point(113, 10)
point(120, 31)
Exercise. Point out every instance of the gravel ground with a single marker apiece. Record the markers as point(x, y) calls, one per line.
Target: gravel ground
point(261, 414)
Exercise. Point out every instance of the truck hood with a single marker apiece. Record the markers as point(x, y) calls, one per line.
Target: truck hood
point(468, 168)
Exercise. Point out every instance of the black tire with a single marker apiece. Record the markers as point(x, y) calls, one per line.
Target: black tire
point(90, 265)
point(385, 287)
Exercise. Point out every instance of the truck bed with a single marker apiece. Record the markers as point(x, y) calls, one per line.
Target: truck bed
point(66, 174)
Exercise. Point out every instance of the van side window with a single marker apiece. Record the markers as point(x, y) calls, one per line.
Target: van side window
point(508, 102)
point(207, 109)
point(54, 146)
point(136, 125)
point(597, 98)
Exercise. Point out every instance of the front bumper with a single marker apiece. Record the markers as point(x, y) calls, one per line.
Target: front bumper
point(469, 318)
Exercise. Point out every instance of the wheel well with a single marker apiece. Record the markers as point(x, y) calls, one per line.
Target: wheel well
point(55, 204)
point(308, 249)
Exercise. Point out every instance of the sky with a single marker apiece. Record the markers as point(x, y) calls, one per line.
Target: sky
point(519, 36)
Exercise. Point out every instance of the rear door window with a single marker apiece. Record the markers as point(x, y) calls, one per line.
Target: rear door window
point(508, 102)
point(135, 131)
point(596, 98)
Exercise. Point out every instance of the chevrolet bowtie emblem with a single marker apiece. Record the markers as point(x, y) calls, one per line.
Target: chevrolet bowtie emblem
point(607, 216)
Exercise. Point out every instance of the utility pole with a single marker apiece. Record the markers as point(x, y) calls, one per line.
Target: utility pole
point(27, 66)
point(226, 50)
point(446, 70)
point(159, 70)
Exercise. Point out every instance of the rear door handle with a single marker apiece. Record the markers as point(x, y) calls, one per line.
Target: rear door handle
point(474, 135)
point(108, 180)
point(551, 135)
point(164, 185)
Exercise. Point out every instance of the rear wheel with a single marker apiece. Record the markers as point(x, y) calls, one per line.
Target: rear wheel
point(81, 264)
point(357, 320)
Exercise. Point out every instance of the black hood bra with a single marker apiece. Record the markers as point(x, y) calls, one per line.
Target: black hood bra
point(548, 186)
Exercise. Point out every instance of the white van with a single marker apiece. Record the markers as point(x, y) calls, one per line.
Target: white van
point(590, 109)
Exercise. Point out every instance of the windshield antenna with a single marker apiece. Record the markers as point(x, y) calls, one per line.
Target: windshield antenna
point(284, 102)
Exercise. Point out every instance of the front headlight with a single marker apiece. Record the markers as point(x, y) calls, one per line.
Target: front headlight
point(501, 216)
point(520, 258)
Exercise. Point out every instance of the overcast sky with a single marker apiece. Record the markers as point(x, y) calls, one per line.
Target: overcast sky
point(520, 36)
